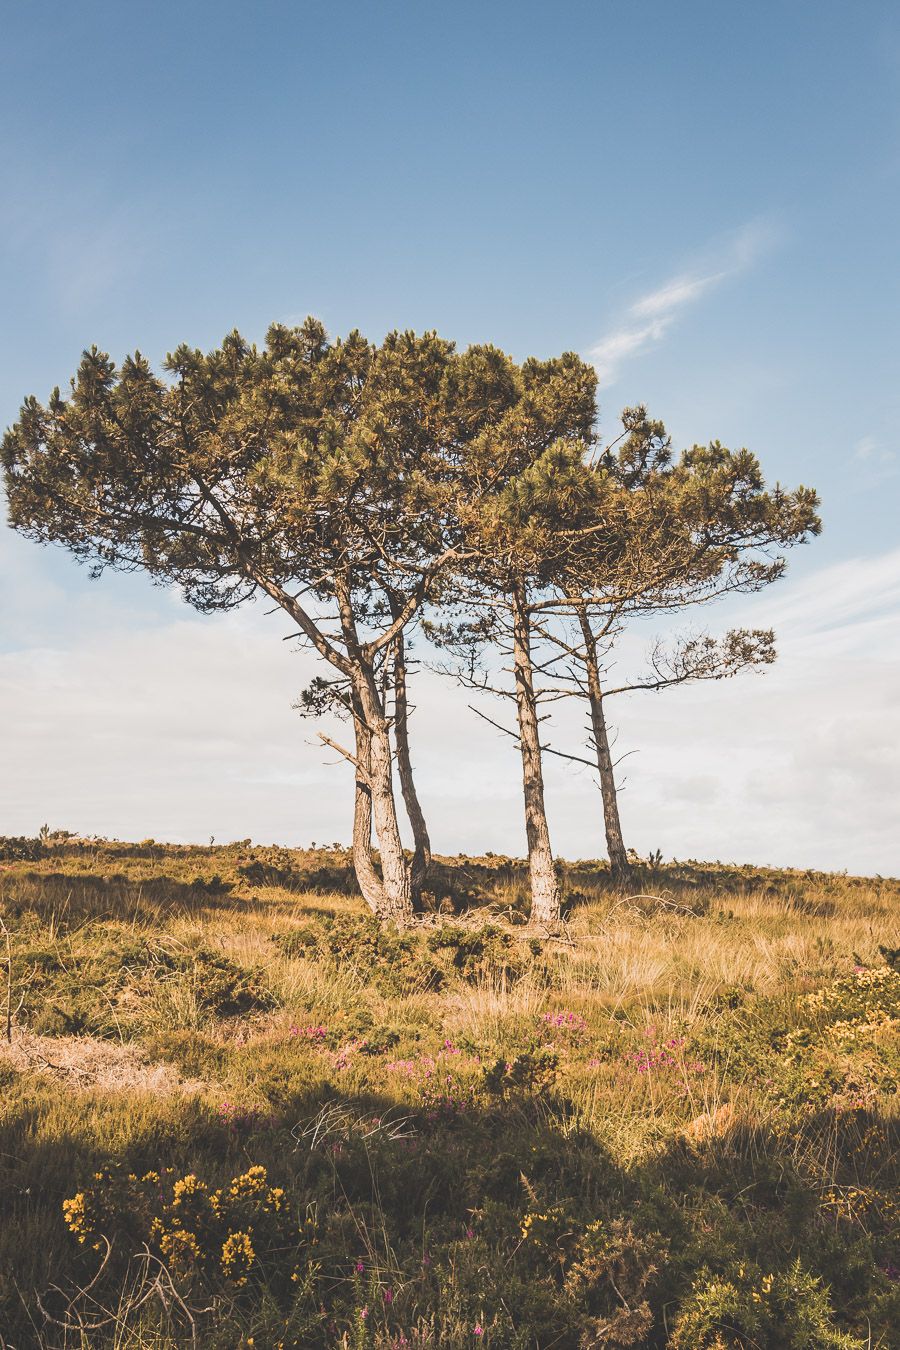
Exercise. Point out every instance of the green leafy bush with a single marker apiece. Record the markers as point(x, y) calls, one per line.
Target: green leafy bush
point(220, 986)
point(394, 962)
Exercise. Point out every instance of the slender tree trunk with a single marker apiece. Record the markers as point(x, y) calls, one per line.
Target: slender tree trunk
point(620, 867)
point(545, 898)
point(422, 850)
point(396, 888)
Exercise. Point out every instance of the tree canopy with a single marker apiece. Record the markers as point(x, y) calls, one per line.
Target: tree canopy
point(356, 483)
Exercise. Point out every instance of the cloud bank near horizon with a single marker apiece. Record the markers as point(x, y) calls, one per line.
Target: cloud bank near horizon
point(181, 728)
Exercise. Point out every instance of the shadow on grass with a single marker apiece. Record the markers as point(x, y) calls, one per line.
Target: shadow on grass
point(73, 897)
point(410, 1189)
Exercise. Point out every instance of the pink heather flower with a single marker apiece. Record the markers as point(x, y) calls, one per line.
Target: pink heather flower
point(478, 1329)
point(566, 1020)
point(310, 1033)
point(407, 1066)
point(470, 1232)
point(359, 1267)
point(388, 1296)
point(363, 1313)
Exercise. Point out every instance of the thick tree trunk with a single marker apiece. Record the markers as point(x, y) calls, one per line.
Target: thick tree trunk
point(377, 775)
point(395, 870)
point(545, 898)
point(363, 865)
point(422, 844)
point(618, 857)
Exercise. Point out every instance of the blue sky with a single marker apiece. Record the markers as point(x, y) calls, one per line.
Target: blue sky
point(703, 197)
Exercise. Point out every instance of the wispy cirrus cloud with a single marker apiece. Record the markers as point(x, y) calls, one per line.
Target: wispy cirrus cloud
point(649, 318)
point(876, 460)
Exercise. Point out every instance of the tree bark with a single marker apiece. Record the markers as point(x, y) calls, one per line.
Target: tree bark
point(620, 867)
point(395, 870)
point(545, 896)
point(422, 844)
point(396, 903)
point(367, 877)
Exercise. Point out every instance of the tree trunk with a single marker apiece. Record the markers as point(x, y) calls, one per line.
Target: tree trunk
point(545, 898)
point(378, 775)
point(366, 875)
point(395, 870)
point(422, 854)
point(620, 867)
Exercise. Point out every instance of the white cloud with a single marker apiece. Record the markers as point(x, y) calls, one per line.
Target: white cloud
point(878, 461)
point(675, 294)
point(182, 728)
point(649, 318)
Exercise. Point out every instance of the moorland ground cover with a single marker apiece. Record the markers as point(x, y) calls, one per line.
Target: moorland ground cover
point(237, 1111)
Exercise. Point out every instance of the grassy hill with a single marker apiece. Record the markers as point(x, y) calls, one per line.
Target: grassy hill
point(233, 1112)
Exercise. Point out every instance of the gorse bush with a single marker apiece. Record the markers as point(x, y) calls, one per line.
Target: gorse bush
point(76, 987)
point(221, 987)
point(485, 953)
point(865, 995)
point(745, 1309)
point(213, 1236)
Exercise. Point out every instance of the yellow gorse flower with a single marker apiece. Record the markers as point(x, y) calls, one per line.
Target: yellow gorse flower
point(237, 1257)
point(187, 1187)
point(251, 1183)
point(179, 1246)
point(75, 1215)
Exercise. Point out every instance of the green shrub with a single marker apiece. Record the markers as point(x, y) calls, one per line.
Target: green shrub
point(745, 1309)
point(396, 963)
point(215, 1239)
point(19, 849)
point(484, 953)
point(613, 1270)
point(531, 1073)
point(219, 986)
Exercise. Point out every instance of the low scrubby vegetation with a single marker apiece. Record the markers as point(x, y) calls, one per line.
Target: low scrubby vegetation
point(236, 1111)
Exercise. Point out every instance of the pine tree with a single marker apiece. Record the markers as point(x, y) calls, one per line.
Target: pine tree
point(691, 531)
point(316, 473)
